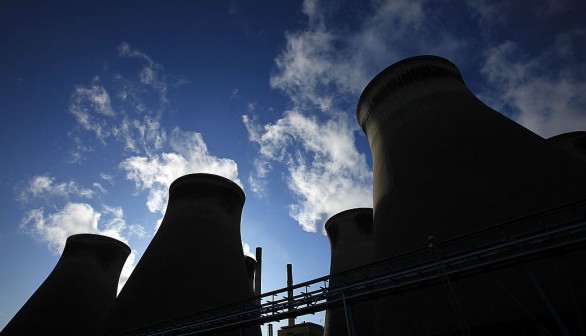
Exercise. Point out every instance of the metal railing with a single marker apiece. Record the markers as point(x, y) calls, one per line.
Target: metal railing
point(555, 231)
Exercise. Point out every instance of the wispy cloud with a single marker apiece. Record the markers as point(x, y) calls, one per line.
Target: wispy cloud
point(44, 186)
point(326, 173)
point(153, 155)
point(152, 73)
point(126, 108)
point(53, 225)
point(323, 69)
point(155, 173)
point(92, 107)
point(546, 101)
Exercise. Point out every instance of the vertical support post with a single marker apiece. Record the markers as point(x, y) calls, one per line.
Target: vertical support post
point(349, 319)
point(291, 320)
point(258, 272)
point(270, 329)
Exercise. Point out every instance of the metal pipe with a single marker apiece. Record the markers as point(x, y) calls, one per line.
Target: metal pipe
point(291, 320)
point(258, 272)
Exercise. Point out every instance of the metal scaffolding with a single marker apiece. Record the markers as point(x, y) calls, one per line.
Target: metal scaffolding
point(553, 232)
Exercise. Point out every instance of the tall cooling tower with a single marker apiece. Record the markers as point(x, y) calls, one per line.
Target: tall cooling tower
point(76, 296)
point(446, 164)
point(572, 142)
point(194, 262)
point(351, 246)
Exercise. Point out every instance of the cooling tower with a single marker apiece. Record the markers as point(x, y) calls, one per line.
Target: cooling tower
point(76, 296)
point(445, 164)
point(194, 262)
point(250, 271)
point(351, 245)
point(572, 142)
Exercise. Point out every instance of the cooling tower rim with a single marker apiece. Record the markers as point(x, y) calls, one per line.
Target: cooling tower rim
point(248, 258)
point(209, 179)
point(398, 75)
point(335, 217)
point(93, 238)
point(567, 135)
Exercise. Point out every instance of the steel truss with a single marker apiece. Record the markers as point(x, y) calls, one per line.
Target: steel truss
point(553, 232)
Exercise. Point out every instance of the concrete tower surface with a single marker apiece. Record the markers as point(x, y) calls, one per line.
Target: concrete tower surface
point(572, 142)
point(446, 164)
point(250, 271)
point(194, 262)
point(76, 296)
point(351, 246)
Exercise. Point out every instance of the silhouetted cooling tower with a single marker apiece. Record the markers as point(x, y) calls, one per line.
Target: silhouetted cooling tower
point(572, 142)
point(250, 270)
point(76, 296)
point(446, 164)
point(351, 246)
point(195, 260)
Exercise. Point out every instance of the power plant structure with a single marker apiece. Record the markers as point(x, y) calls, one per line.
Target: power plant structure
point(302, 329)
point(572, 142)
point(194, 262)
point(76, 296)
point(478, 227)
point(445, 164)
point(351, 246)
point(250, 271)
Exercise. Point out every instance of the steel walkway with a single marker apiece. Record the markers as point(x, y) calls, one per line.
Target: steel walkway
point(553, 232)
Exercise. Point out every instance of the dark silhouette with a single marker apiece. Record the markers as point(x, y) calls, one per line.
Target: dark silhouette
point(194, 262)
point(76, 296)
point(446, 164)
point(351, 246)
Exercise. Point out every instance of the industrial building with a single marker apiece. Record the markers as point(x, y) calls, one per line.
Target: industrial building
point(302, 329)
point(478, 227)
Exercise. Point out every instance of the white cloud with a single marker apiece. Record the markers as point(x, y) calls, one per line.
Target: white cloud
point(92, 109)
point(157, 157)
point(106, 177)
point(100, 188)
point(155, 173)
point(56, 227)
point(128, 110)
point(74, 218)
point(151, 74)
point(324, 63)
point(44, 186)
point(246, 250)
point(326, 173)
point(546, 101)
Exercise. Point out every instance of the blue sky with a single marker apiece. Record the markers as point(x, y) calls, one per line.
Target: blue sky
point(105, 103)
